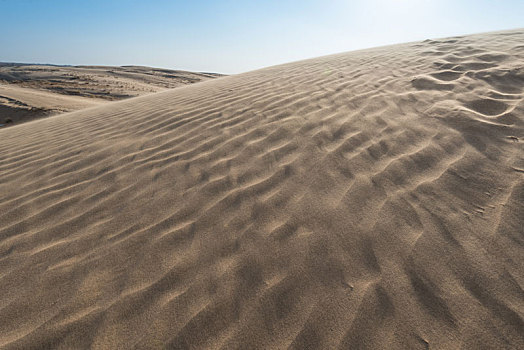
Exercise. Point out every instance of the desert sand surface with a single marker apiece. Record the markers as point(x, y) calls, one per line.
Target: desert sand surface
point(29, 92)
point(365, 200)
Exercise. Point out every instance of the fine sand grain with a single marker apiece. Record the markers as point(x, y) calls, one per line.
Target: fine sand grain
point(365, 200)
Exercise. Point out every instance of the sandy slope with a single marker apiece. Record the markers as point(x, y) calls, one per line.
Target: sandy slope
point(29, 92)
point(372, 199)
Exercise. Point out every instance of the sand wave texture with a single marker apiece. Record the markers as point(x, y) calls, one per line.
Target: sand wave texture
point(365, 200)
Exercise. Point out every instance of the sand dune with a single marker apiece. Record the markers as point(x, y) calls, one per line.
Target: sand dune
point(366, 200)
point(29, 92)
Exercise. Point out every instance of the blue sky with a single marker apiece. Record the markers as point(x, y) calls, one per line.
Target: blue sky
point(231, 36)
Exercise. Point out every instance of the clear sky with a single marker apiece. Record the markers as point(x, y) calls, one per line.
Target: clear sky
point(231, 36)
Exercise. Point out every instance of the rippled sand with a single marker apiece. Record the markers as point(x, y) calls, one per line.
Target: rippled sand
point(365, 200)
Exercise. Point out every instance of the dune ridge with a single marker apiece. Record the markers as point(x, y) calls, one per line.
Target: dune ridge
point(371, 199)
point(33, 91)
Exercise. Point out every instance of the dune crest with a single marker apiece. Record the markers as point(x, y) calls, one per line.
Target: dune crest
point(34, 91)
point(371, 199)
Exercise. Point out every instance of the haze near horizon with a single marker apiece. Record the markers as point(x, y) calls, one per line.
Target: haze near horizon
point(231, 36)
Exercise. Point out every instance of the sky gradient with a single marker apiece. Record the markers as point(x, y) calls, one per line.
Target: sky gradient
point(231, 36)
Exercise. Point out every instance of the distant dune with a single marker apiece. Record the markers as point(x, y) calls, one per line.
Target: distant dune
point(365, 200)
point(29, 92)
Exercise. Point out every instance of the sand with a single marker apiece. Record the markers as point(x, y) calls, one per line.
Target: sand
point(365, 200)
point(29, 92)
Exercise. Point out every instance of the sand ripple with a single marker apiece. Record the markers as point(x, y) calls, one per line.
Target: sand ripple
point(372, 199)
